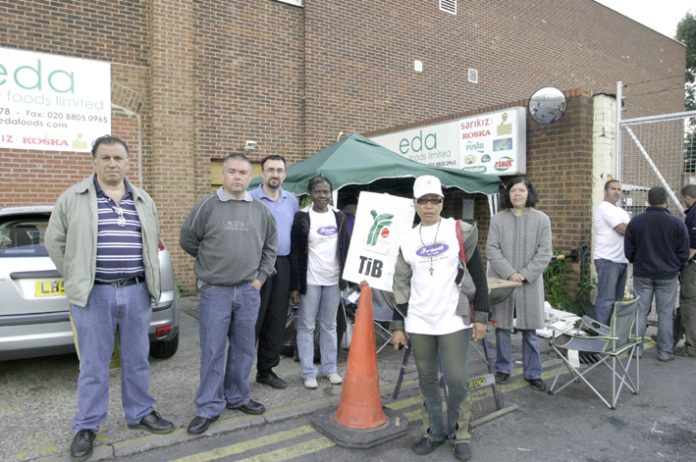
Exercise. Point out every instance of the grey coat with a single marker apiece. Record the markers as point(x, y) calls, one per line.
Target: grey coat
point(520, 244)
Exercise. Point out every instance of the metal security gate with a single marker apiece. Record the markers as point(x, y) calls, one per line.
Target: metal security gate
point(656, 151)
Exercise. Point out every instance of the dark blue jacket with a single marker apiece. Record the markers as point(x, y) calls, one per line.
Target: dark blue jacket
point(691, 224)
point(657, 243)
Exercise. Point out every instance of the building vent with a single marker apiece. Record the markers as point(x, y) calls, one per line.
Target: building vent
point(473, 75)
point(448, 6)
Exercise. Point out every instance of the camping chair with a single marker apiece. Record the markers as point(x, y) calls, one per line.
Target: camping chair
point(614, 346)
point(382, 316)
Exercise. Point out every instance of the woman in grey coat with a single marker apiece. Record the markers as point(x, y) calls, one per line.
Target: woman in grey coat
point(519, 249)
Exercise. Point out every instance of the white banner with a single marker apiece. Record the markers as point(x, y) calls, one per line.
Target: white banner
point(380, 221)
point(51, 102)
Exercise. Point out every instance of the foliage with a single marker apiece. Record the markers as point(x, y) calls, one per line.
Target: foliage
point(686, 33)
point(557, 282)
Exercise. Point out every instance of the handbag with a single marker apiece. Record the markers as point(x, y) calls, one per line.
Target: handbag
point(467, 289)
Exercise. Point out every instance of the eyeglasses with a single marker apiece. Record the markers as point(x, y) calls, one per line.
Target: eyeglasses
point(433, 201)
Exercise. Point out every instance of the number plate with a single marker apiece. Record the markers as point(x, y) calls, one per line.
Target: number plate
point(49, 288)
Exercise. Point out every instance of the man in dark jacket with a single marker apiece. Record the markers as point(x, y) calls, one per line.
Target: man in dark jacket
point(687, 298)
point(657, 243)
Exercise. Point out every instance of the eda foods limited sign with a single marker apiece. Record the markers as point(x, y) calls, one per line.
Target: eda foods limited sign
point(52, 103)
point(492, 143)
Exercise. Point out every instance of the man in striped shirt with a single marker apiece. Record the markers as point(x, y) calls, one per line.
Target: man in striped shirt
point(103, 237)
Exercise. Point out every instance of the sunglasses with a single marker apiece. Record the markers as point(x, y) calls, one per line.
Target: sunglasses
point(433, 201)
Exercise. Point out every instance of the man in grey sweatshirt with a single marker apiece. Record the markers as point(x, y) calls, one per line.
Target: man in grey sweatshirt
point(233, 239)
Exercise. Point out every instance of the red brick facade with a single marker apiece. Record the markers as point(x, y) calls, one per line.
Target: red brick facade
point(205, 76)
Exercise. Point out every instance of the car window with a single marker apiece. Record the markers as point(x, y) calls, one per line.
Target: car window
point(22, 236)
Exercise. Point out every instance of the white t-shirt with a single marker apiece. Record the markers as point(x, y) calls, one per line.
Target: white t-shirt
point(609, 245)
point(322, 265)
point(433, 302)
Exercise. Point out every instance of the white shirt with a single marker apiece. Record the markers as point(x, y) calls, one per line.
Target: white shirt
point(609, 245)
point(322, 265)
point(433, 301)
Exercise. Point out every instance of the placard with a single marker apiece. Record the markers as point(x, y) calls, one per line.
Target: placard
point(380, 221)
point(51, 102)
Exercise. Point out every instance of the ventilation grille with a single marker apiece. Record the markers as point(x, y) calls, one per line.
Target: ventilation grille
point(472, 75)
point(448, 6)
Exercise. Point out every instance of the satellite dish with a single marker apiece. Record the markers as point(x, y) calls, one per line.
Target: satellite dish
point(547, 105)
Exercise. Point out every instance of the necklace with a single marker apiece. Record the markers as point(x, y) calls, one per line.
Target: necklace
point(121, 220)
point(420, 235)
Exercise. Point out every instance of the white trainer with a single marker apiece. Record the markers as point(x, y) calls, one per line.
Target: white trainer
point(311, 383)
point(334, 378)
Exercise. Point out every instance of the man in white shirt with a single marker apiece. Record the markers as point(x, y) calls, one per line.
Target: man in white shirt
point(610, 222)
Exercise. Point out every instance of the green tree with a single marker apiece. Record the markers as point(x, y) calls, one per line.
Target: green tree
point(686, 33)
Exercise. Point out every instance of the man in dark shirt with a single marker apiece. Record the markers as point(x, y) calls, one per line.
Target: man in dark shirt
point(657, 243)
point(687, 297)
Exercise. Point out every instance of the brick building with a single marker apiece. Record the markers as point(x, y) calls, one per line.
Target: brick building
point(204, 76)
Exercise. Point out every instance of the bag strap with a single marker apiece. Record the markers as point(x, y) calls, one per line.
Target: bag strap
point(460, 238)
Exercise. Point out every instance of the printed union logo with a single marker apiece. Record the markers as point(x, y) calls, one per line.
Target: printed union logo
point(327, 230)
point(379, 227)
point(432, 250)
point(503, 164)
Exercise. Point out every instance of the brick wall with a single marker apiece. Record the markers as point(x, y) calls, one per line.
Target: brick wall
point(205, 76)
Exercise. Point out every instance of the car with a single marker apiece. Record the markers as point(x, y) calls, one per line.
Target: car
point(34, 313)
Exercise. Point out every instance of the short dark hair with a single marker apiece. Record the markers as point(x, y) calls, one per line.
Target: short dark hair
point(273, 157)
point(107, 140)
point(532, 196)
point(657, 195)
point(236, 156)
point(318, 180)
point(689, 191)
point(606, 185)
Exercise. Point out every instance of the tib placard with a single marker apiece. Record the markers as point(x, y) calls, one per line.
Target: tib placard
point(380, 221)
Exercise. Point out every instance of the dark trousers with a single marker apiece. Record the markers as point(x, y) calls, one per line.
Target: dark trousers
point(273, 314)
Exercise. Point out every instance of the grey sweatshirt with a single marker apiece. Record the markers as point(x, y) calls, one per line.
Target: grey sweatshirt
point(234, 241)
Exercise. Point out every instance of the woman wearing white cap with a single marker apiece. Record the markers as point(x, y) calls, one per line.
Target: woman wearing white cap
point(433, 308)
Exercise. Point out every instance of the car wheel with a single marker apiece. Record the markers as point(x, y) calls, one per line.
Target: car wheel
point(165, 349)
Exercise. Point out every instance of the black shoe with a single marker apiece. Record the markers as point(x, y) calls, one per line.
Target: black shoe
point(462, 451)
point(537, 384)
point(684, 352)
point(426, 446)
point(501, 377)
point(271, 379)
point(200, 424)
point(664, 359)
point(154, 423)
point(251, 407)
point(82, 445)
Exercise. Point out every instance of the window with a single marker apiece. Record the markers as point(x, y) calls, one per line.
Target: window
point(448, 6)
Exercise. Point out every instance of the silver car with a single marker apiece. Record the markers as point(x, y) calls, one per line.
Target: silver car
point(34, 319)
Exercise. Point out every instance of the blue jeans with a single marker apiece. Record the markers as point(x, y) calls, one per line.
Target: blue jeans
point(611, 282)
point(452, 352)
point(319, 301)
point(665, 293)
point(228, 313)
point(531, 358)
point(126, 308)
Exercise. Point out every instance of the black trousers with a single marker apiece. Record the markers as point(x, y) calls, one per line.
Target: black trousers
point(273, 314)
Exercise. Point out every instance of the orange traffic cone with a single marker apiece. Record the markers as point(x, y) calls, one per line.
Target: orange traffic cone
point(360, 420)
point(361, 405)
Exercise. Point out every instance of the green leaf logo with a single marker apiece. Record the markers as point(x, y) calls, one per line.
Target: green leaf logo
point(380, 221)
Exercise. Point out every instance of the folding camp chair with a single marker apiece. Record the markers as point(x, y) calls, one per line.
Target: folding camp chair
point(614, 346)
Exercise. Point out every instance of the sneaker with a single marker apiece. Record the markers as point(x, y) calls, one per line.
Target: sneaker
point(684, 352)
point(537, 384)
point(311, 383)
point(425, 446)
point(501, 377)
point(334, 378)
point(665, 358)
point(462, 451)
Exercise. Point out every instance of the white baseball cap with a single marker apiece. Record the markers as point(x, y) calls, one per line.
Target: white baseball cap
point(427, 184)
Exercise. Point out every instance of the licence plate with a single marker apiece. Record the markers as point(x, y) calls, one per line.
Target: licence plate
point(49, 288)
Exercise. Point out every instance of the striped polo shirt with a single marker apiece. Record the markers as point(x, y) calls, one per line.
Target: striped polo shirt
point(119, 240)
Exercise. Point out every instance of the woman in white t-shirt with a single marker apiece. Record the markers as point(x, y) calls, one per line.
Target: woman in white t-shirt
point(439, 322)
point(319, 245)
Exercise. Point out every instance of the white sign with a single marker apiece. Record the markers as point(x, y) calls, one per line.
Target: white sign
point(494, 143)
point(380, 221)
point(52, 103)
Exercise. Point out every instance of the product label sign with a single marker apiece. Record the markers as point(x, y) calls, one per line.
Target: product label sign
point(51, 102)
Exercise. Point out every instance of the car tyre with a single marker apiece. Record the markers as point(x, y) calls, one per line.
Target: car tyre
point(164, 349)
